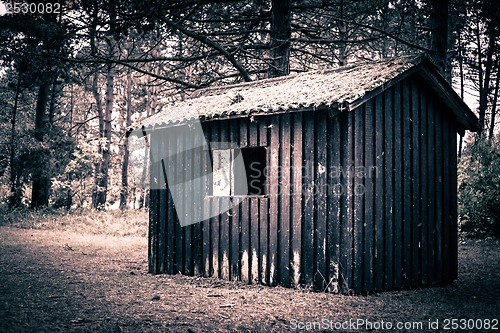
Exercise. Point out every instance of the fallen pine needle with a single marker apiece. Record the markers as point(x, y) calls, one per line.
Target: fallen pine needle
point(226, 305)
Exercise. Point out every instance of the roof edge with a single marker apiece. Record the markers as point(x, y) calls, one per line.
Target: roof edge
point(145, 130)
point(427, 70)
point(458, 107)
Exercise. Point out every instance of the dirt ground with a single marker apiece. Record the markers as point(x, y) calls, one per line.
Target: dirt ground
point(62, 281)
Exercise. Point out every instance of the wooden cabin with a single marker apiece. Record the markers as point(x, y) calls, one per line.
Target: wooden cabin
point(357, 184)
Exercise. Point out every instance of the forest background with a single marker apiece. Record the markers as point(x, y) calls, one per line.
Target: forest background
point(76, 75)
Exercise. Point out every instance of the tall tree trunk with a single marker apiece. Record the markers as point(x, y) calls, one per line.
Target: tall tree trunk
point(128, 122)
point(100, 117)
point(69, 193)
point(103, 172)
point(280, 38)
point(144, 199)
point(485, 82)
point(494, 108)
point(342, 36)
point(384, 47)
point(439, 38)
point(15, 190)
point(52, 103)
point(144, 193)
point(152, 100)
point(462, 85)
point(41, 179)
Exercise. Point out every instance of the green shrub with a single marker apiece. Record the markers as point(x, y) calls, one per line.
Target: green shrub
point(479, 188)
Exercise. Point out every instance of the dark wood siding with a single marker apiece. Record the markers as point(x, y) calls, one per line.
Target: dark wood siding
point(356, 201)
point(379, 198)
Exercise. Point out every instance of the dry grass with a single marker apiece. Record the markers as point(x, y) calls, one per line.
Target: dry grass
point(58, 278)
point(85, 221)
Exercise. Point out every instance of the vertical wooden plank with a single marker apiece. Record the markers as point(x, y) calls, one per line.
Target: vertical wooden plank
point(453, 204)
point(407, 183)
point(162, 222)
point(263, 241)
point(188, 197)
point(296, 201)
point(162, 207)
point(243, 223)
point(398, 189)
point(207, 204)
point(214, 221)
point(253, 133)
point(446, 170)
point(152, 233)
point(173, 220)
point(224, 247)
point(245, 240)
point(369, 194)
point(380, 190)
point(224, 240)
point(214, 236)
point(439, 194)
point(263, 211)
point(431, 188)
point(153, 210)
point(235, 270)
point(234, 252)
point(334, 193)
point(254, 240)
point(320, 204)
point(171, 214)
point(207, 246)
point(207, 249)
point(179, 179)
point(424, 219)
point(273, 199)
point(416, 225)
point(308, 245)
point(253, 138)
point(389, 209)
point(198, 195)
point(347, 202)
point(263, 131)
point(284, 202)
point(359, 196)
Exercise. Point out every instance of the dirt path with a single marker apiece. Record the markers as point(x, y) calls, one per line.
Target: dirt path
point(55, 281)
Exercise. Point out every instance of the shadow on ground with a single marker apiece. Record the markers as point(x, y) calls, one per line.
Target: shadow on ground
point(56, 281)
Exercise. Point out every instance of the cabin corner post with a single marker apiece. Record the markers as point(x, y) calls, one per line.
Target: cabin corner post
point(154, 184)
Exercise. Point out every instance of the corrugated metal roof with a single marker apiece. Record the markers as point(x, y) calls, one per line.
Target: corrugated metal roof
point(305, 90)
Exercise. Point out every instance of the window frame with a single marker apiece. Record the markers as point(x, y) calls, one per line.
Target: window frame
point(231, 194)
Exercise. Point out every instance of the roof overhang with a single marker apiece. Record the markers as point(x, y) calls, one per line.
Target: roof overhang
point(464, 117)
point(399, 69)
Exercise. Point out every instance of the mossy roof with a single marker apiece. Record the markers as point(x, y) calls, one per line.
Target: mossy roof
point(348, 85)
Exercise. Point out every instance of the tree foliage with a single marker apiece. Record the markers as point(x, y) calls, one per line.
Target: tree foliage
point(99, 67)
point(479, 188)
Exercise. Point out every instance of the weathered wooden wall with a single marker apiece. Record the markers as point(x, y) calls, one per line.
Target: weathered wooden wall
point(356, 201)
